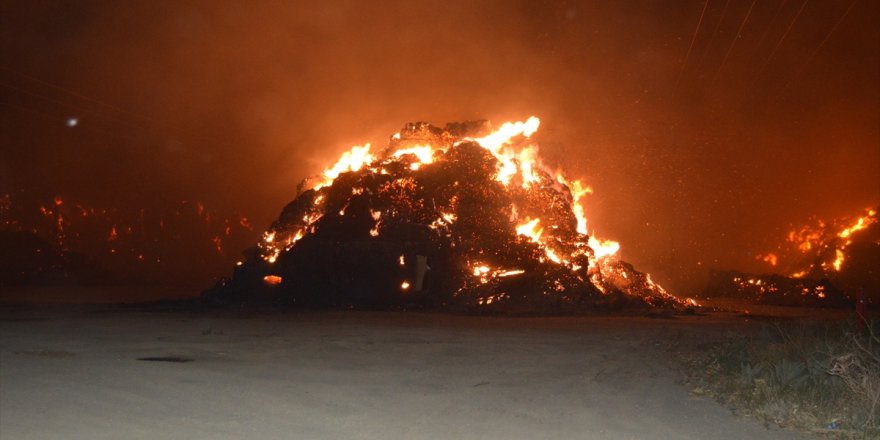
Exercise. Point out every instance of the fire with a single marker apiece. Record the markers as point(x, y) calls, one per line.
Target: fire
point(578, 191)
point(769, 287)
point(531, 229)
point(860, 224)
point(513, 162)
point(838, 260)
point(137, 243)
point(408, 185)
point(424, 153)
point(272, 280)
point(493, 142)
point(351, 160)
point(377, 216)
point(481, 270)
point(521, 163)
point(769, 258)
point(603, 248)
point(484, 273)
point(821, 246)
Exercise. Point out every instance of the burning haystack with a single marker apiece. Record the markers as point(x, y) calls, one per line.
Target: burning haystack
point(825, 263)
point(460, 217)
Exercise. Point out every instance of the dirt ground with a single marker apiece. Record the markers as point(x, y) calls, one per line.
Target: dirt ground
point(72, 372)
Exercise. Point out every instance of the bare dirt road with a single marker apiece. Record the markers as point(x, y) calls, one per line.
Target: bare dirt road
point(74, 373)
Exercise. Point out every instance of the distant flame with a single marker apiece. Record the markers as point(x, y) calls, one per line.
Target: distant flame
point(826, 242)
point(769, 258)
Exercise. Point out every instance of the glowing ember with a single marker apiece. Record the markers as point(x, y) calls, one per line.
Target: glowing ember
point(860, 224)
point(142, 244)
point(838, 260)
point(272, 280)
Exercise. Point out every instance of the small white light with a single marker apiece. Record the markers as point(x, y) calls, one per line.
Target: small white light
point(72, 122)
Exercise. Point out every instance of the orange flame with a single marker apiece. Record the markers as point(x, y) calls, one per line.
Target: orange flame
point(518, 164)
point(821, 238)
point(531, 229)
point(351, 160)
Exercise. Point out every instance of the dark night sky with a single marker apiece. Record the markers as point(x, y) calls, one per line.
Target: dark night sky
point(233, 103)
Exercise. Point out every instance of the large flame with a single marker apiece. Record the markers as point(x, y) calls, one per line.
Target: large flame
point(518, 163)
point(537, 231)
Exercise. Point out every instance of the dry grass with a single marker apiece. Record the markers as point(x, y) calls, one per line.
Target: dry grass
point(859, 369)
point(815, 378)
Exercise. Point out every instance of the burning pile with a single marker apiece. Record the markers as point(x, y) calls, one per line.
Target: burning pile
point(821, 250)
point(829, 263)
point(460, 217)
point(47, 239)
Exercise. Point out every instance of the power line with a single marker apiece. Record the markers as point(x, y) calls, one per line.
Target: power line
point(781, 39)
point(816, 50)
point(770, 23)
point(735, 38)
point(37, 95)
point(714, 33)
point(58, 101)
point(691, 47)
point(827, 37)
point(54, 118)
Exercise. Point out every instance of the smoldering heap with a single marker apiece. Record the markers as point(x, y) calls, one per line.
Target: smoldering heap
point(461, 218)
point(832, 263)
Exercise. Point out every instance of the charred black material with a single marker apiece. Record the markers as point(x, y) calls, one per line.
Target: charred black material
point(386, 236)
point(816, 281)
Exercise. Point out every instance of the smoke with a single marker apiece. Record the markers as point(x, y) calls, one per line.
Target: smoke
point(233, 103)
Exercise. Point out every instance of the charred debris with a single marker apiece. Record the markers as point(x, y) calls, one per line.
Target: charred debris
point(438, 220)
point(832, 263)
